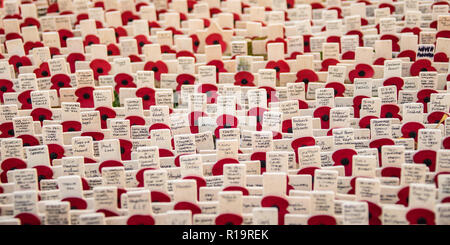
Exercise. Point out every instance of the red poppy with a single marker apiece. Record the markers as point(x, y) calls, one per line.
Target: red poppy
point(201, 182)
point(71, 126)
point(423, 96)
point(440, 57)
point(420, 216)
point(396, 81)
point(28, 219)
point(85, 97)
point(391, 172)
point(157, 126)
point(323, 113)
point(136, 120)
point(18, 61)
point(42, 71)
point(140, 176)
point(244, 78)
point(147, 95)
point(123, 80)
point(219, 67)
point(165, 49)
point(338, 88)
point(286, 126)
point(109, 163)
point(271, 94)
point(91, 39)
point(374, 213)
point(280, 203)
point(349, 55)
point(80, 17)
point(28, 140)
point(41, 114)
point(30, 21)
point(302, 142)
point(394, 39)
point(158, 196)
point(141, 220)
point(379, 61)
point(11, 164)
point(184, 79)
point(74, 57)
point(237, 188)
point(387, 5)
point(174, 30)
point(217, 168)
point(96, 136)
point(357, 101)
point(100, 67)
point(193, 120)
point(107, 213)
point(365, 121)
point(158, 67)
point(60, 81)
point(44, 172)
point(64, 34)
point(378, 143)
point(211, 92)
point(6, 86)
point(328, 62)
point(7, 130)
point(120, 191)
point(436, 116)
point(125, 149)
point(306, 42)
point(228, 219)
point(185, 53)
point(390, 111)
point(76, 203)
point(24, 98)
point(334, 39)
point(31, 45)
point(446, 143)
point(444, 34)
point(112, 49)
point(306, 76)
point(294, 55)
point(257, 112)
point(141, 42)
point(403, 196)
point(261, 157)
point(140, 5)
point(213, 11)
point(407, 53)
point(278, 40)
point(120, 32)
point(421, 65)
point(361, 71)
point(279, 66)
point(427, 157)
point(195, 42)
point(128, 16)
point(195, 209)
point(344, 157)
point(134, 58)
point(105, 113)
point(411, 130)
point(322, 220)
point(55, 151)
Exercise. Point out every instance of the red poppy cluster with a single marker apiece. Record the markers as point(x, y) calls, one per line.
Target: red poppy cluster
point(323, 109)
